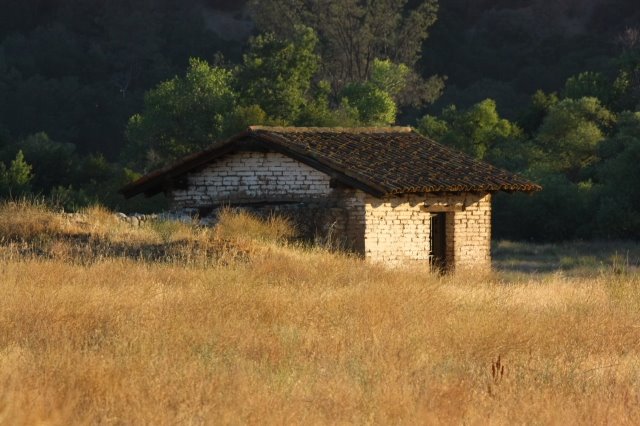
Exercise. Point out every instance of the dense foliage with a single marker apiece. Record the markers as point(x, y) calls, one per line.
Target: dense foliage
point(95, 93)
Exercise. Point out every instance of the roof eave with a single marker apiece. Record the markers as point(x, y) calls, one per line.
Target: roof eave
point(526, 188)
point(152, 183)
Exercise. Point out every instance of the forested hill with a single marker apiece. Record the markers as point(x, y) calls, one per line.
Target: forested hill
point(94, 92)
point(508, 49)
point(77, 69)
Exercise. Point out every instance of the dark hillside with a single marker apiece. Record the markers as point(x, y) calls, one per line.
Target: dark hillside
point(78, 70)
point(508, 49)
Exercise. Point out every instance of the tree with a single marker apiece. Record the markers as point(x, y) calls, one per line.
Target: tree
point(53, 162)
point(354, 33)
point(627, 84)
point(374, 106)
point(565, 154)
point(478, 131)
point(390, 77)
point(15, 180)
point(404, 85)
point(589, 84)
point(319, 111)
point(181, 115)
point(537, 110)
point(244, 116)
point(563, 210)
point(570, 135)
point(618, 211)
point(276, 73)
point(375, 101)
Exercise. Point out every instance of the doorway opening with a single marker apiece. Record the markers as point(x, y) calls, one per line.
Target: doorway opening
point(438, 242)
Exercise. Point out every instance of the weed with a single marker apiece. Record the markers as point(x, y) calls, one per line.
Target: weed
point(497, 370)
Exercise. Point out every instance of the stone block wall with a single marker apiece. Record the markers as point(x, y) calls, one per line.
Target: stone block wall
point(251, 177)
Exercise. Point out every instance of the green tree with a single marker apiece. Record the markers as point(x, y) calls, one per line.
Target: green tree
point(15, 180)
point(276, 73)
point(354, 33)
point(589, 84)
point(244, 116)
point(390, 77)
point(181, 115)
point(479, 131)
point(627, 83)
point(570, 134)
point(566, 153)
point(403, 84)
point(618, 211)
point(53, 162)
point(537, 110)
point(563, 210)
point(375, 101)
point(374, 106)
point(319, 111)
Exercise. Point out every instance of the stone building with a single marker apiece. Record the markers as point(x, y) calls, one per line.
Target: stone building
point(387, 193)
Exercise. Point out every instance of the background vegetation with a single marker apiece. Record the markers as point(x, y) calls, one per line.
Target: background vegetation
point(95, 93)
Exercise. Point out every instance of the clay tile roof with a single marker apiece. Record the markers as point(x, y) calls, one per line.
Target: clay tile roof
point(379, 160)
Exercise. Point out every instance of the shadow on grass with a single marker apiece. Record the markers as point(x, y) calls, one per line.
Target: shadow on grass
point(573, 258)
point(86, 249)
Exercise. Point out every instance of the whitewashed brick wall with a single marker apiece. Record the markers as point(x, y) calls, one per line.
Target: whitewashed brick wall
point(251, 176)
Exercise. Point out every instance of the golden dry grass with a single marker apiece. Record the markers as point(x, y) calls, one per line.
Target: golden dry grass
point(302, 336)
point(233, 223)
point(33, 230)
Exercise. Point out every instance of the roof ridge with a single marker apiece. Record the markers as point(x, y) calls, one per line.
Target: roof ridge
point(293, 129)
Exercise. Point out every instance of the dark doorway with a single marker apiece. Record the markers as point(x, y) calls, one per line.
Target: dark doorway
point(438, 242)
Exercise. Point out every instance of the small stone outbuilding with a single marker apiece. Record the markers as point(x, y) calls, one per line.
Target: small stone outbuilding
point(389, 194)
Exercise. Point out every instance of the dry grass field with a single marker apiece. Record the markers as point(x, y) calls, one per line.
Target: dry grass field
point(101, 323)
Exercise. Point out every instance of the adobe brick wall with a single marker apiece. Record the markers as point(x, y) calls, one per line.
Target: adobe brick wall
point(266, 183)
point(397, 230)
point(472, 234)
point(249, 177)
